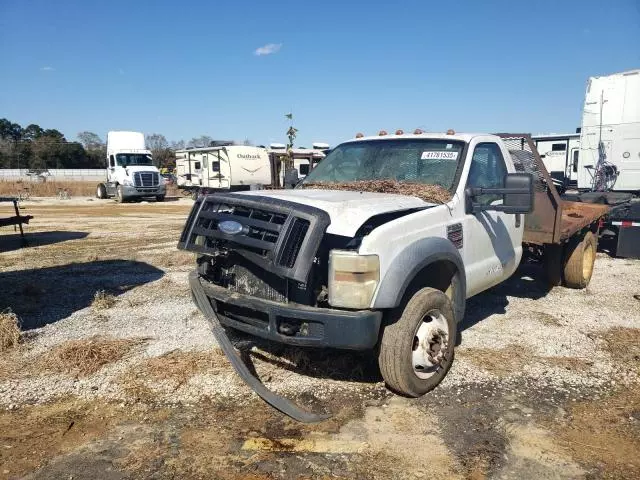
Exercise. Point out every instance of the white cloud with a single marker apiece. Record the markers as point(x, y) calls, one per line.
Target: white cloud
point(268, 49)
point(47, 69)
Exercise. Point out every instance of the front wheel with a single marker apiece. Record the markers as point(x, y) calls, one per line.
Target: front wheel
point(119, 194)
point(417, 346)
point(159, 198)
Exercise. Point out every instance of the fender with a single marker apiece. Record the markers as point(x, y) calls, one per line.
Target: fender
point(414, 258)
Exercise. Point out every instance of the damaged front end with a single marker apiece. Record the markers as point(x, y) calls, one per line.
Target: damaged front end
point(263, 265)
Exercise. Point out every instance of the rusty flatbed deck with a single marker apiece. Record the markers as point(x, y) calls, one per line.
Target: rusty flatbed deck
point(576, 216)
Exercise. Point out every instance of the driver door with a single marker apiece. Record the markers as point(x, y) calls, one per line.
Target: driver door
point(492, 246)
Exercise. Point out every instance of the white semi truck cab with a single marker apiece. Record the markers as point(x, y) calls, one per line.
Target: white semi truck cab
point(130, 170)
point(382, 243)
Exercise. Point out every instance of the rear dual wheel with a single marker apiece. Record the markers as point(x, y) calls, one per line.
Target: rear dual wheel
point(580, 259)
point(571, 265)
point(417, 346)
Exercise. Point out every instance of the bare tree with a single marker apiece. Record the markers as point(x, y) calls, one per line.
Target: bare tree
point(90, 140)
point(201, 141)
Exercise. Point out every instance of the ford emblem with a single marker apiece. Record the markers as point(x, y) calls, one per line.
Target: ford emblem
point(230, 227)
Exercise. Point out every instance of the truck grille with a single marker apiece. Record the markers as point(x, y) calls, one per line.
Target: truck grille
point(145, 179)
point(281, 237)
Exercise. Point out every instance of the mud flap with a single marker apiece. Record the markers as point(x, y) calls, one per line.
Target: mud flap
point(280, 403)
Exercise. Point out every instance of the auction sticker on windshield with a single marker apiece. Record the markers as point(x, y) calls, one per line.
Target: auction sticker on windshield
point(439, 155)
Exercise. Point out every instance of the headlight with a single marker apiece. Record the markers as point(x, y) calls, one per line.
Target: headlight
point(353, 278)
point(127, 183)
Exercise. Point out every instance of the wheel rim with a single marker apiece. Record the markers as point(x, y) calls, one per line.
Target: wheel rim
point(587, 262)
point(98, 193)
point(430, 344)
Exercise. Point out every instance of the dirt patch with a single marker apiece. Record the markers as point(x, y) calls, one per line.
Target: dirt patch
point(33, 435)
point(605, 434)
point(87, 356)
point(547, 319)
point(9, 331)
point(46, 189)
point(428, 193)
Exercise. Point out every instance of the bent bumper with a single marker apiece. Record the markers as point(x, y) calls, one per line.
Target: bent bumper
point(293, 324)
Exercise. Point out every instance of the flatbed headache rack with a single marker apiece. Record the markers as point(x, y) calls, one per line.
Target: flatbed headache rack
point(553, 220)
point(16, 220)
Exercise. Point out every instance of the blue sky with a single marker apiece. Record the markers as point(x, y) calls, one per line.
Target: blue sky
point(188, 68)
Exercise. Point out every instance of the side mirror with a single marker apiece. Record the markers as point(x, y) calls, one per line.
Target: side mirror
point(517, 195)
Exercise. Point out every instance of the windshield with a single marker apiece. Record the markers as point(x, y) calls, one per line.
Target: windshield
point(424, 161)
point(129, 159)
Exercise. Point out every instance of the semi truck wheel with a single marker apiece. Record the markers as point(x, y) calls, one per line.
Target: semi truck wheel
point(580, 259)
point(119, 194)
point(159, 198)
point(101, 191)
point(416, 350)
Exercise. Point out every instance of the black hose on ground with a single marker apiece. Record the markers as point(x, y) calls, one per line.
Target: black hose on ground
point(280, 403)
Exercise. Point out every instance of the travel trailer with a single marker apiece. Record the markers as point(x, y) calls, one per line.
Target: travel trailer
point(611, 132)
point(560, 153)
point(222, 168)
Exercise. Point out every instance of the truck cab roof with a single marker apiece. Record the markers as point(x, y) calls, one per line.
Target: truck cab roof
point(464, 137)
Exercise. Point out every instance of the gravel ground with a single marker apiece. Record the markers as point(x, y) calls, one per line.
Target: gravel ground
point(516, 338)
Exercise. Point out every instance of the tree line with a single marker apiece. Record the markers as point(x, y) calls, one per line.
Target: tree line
point(35, 148)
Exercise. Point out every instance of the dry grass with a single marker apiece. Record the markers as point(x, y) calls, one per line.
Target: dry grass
point(623, 344)
point(9, 331)
point(103, 300)
point(47, 189)
point(428, 193)
point(87, 356)
point(175, 367)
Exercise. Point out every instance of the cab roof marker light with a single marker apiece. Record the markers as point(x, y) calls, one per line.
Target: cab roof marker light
point(417, 131)
point(399, 132)
point(451, 131)
point(382, 133)
point(359, 135)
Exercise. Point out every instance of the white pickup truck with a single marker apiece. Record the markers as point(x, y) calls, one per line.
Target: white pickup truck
point(382, 243)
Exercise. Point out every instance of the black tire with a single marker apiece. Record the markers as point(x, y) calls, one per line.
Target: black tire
point(120, 195)
point(101, 191)
point(159, 198)
point(400, 341)
point(581, 256)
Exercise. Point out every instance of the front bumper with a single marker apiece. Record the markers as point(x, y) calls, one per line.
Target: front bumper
point(129, 191)
point(304, 326)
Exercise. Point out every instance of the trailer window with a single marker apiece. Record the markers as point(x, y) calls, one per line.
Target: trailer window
point(215, 166)
point(304, 169)
point(197, 166)
point(487, 170)
point(558, 147)
point(575, 160)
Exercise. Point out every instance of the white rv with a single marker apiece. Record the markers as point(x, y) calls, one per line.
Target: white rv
point(611, 129)
point(130, 170)
point(222, 167)
point(560, 153)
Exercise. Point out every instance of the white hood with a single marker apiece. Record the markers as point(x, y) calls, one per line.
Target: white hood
point(348, 210)
point(141, 168)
